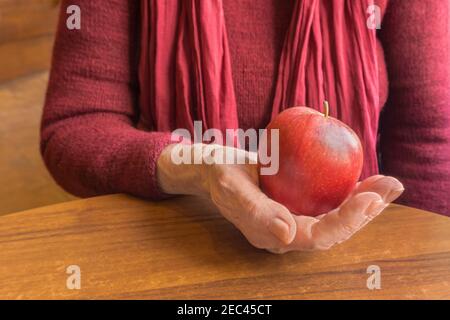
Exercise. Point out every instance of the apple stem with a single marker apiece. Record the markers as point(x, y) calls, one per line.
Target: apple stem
point(326, 107)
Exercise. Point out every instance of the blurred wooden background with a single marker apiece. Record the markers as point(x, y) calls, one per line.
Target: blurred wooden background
point(26, 36)
point(27, 30)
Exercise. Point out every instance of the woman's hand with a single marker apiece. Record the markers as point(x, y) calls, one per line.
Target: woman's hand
point(233, 188)
point(266, 224)
point(368, 200)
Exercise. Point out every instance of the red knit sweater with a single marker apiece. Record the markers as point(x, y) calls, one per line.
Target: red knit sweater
point(91, 145)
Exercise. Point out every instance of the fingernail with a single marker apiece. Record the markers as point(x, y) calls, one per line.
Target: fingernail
point(394, 194)
point(280, 229)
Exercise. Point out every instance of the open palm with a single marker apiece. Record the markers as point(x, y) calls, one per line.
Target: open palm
point(369, 199)
point(267, 224)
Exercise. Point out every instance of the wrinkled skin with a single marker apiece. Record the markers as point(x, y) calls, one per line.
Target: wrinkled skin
point(266, 224)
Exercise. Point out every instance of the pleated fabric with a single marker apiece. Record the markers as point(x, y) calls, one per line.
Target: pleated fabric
point(329, 53)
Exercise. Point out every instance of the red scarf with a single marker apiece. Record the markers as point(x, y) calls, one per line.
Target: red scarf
point(329, 54)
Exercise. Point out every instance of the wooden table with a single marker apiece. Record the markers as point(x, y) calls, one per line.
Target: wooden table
point(182, 248)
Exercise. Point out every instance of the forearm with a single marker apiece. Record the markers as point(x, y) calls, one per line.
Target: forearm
point(99, 154)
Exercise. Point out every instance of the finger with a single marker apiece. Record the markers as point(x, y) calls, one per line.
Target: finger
point(303, 240)
point(388, 188)
point(319, 217)
point(373, 211)
point(281, 222)
point(340, 224)
point(361, 185)
point(278, 250)
point(365, 203)
point(264, 222)
point(268, 224)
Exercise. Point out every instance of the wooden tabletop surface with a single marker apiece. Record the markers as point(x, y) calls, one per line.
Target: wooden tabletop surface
point(182, 248)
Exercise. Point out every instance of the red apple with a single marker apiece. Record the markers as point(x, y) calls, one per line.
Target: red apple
point(320, 161)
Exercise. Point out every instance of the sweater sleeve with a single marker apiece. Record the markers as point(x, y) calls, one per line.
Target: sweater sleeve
point(89, 139)
point(415, 123)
